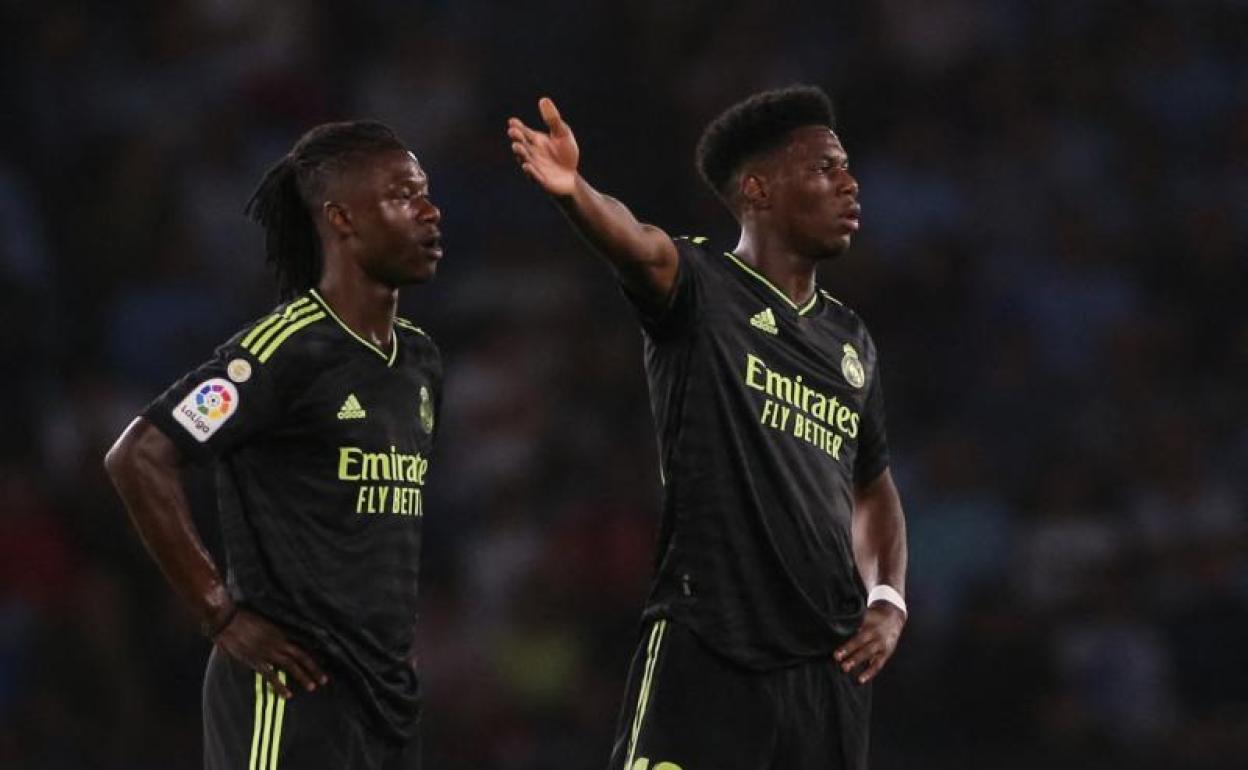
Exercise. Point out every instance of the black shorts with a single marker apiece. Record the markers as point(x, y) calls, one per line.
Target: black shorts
point(688, 708)
point(248, 727)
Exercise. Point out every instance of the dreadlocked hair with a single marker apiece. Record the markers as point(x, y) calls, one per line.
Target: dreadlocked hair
point(756, 125)
point(284, 202)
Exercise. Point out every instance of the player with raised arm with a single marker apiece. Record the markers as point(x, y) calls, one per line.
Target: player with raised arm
point(778, 593)
point(321, 417)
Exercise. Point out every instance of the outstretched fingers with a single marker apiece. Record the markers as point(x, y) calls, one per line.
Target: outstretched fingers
point(551, 117)
point(519, 132)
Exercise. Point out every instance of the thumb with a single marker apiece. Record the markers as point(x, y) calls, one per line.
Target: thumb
point(550, 115)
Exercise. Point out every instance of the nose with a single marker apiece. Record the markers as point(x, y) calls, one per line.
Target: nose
point(847, 184)
point(429, 212)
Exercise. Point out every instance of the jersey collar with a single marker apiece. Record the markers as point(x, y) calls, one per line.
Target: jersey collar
point(800, 310)
point(394, 340)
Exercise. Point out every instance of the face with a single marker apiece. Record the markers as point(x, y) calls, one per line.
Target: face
point(813, 197)
point(393, 221)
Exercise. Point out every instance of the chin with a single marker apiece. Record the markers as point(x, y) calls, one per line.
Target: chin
point(424, 276)
point(833, 250)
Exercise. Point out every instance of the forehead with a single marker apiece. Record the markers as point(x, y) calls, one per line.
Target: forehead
point(394, 165)
point(813, 142)
point(380, 170)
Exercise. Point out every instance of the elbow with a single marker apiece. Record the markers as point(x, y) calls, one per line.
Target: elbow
point(118, 457)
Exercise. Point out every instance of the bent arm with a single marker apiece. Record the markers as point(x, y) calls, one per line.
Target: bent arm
point(642, 255)
point(145, 468)
point(879, 534)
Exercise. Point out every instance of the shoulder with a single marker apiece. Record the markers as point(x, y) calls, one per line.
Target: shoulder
point(412, 335)
point(699, 254)
point(849, 322)
point(697, 246)
point(417, 340)
point(290, 326)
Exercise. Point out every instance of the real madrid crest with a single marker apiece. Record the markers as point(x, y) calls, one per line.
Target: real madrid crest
point(426, 410)
point(238, 370)
point(851, 367)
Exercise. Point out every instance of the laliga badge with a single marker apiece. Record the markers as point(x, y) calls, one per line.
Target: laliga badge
point(238, 370)
point(851, 367)
point(206, 408)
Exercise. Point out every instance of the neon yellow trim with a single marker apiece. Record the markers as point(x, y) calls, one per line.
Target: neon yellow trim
point(406, 324)
point(800, 310)
point(289, 330)
point(394, 346)
point(277, 727)
point(284, 323)
point(699, 240)
point(269, 696)
point(647, 679)
point(255, 330)
point(260, 327)
point(255, 733)
point(294, 305)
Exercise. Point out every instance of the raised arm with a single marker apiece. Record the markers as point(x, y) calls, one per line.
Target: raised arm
point(879, 535)
point(145, 467)
point(642, 255)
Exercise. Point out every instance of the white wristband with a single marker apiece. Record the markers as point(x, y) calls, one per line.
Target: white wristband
point(886, 593)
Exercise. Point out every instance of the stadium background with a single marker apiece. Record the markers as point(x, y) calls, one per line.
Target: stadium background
point(1052, 261)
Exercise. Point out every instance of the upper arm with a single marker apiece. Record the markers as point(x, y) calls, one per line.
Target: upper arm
point(141, 444)
point(651, 277)
point(222, 403)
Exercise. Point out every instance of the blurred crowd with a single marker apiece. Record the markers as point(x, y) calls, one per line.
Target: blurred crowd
point(1053, 262)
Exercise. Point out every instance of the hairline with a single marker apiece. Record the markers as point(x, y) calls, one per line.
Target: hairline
point(731, 194)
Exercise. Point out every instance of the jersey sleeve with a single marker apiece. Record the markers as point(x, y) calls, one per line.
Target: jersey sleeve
point(681, 307)
point(872, 459)
point(218, 405)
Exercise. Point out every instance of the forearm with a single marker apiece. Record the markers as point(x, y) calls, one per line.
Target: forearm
point(879, 534)
point(145, 471)
point(636, 250)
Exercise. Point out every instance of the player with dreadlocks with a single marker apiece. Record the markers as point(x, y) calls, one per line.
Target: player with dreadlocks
point(777, 596)
point(320, 417)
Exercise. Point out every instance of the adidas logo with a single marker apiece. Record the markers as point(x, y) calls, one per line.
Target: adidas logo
point(766, 321)
point(351, 409)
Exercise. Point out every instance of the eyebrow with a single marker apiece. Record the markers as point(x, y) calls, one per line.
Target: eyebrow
point(406, 178)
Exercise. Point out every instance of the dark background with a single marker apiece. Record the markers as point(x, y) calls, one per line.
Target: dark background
point(1052, 262)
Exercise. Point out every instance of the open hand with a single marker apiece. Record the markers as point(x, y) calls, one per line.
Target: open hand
point(249, 638)
point(550, 159)
point(874, 643)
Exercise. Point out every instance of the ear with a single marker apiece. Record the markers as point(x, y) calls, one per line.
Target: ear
point(754, 192)
point(338, 217)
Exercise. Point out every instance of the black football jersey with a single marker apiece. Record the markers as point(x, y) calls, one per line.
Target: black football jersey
point(769, 416)
point(323, 444)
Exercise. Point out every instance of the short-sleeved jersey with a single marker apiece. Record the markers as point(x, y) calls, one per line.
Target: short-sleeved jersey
point(322, 442)
point(769, 416)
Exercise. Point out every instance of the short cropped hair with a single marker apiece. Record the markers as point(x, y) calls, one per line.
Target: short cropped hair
point(756, 125)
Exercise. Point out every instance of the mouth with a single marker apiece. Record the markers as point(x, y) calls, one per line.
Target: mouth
point(433, 245)
point(851, 217)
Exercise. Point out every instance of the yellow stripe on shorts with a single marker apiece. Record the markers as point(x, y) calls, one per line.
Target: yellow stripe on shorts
point(647, 680)
point(266, 736)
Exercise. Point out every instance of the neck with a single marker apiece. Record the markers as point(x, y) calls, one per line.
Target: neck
point(789, 271)
point(364, 305)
